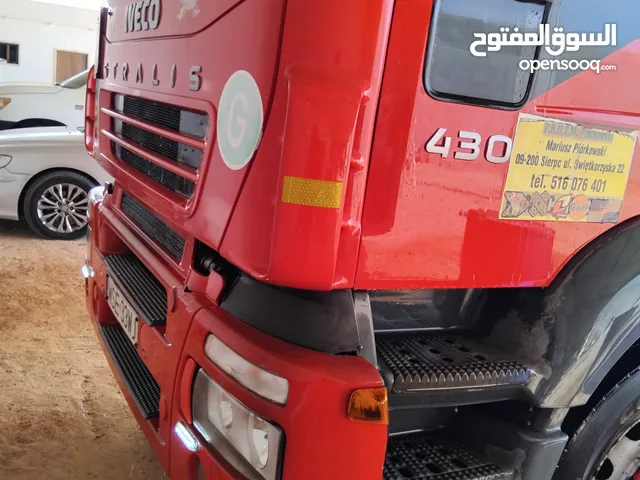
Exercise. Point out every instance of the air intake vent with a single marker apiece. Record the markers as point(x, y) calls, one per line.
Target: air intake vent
point(164, 142)
point(144, 291)
point(178, 152)
point(161, 175)
point(137, 377)
point(163, 115)
point(151, 141)
point(156, 229)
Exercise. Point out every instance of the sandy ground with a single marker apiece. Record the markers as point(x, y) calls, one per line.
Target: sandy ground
point(62, 415)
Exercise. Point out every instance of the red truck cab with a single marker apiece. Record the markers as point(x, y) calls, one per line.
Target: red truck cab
point(340, 244)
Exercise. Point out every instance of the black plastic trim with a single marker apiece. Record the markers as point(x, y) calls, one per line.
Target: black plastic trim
point(324, 321)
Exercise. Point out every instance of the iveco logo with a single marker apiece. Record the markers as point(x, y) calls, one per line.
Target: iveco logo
point(143, 15)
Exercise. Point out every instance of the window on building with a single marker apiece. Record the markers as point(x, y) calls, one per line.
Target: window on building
point(9, 52)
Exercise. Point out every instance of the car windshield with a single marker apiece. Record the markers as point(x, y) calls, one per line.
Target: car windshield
point(77, 81)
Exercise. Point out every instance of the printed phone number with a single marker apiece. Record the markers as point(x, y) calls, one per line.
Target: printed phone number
point(570, 183)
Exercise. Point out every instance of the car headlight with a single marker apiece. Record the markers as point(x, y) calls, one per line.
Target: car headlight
point(4, 101)
point(5, 160)
point(246, 440)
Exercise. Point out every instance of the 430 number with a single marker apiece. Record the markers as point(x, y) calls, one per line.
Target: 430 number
point(468, 146)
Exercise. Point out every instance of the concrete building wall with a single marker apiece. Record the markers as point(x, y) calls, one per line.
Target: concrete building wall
point(39, 29)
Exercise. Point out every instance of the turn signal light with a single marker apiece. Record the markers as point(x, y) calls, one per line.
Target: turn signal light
point(4, 101)
point(369, 405)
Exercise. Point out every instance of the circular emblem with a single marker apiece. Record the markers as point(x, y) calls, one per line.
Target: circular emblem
point(579, 207)
point(240, 120)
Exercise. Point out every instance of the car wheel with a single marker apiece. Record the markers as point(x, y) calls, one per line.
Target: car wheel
point(56, 205)
point(607, 444)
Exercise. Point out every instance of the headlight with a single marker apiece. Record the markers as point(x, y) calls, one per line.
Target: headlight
point(4, 160)
point(247, 441)
point(259, 440)
point(4, 101)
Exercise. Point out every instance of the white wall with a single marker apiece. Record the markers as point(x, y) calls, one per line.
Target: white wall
point(40, 29)
point(88, 4)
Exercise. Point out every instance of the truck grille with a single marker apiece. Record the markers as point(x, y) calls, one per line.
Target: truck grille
point(161, 175)
point(156, 229)
point(144, 389)
point(143, 290)
point(162, 141)
point(151, 141)
point(161, 114)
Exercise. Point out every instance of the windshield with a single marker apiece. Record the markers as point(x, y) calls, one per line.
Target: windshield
point(77, 81)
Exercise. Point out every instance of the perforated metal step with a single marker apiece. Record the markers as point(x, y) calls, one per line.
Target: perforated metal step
point(145, 293)
point(418, 362)
point(141, 384)
point(424, 456)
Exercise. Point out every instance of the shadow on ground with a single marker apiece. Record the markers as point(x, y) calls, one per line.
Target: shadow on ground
point(9, 228)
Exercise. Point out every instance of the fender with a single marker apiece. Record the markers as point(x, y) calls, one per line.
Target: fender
point(35, 150)
point(575, 330)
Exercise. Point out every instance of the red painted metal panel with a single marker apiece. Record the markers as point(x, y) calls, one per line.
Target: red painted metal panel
point(432, 222)
point(319, 389)
point(253, 27)
point(320, 128)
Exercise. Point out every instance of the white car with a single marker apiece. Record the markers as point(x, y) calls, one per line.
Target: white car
point(25, 105)
point(45, 177)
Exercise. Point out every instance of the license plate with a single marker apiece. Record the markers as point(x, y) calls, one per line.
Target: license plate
point(122, 310)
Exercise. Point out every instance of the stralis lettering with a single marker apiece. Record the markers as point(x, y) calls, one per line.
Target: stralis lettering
point(143, 15)
point(159, 76)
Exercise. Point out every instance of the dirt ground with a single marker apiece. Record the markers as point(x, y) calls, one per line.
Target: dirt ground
point(62, 415)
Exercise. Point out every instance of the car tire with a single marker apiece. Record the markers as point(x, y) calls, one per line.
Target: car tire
point(56, 205)
point(608, 441)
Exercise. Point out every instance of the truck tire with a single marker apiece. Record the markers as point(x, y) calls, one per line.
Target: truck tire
point(607, 444)
point(56, 205)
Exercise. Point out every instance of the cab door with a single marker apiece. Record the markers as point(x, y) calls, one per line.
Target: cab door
point(435, 208)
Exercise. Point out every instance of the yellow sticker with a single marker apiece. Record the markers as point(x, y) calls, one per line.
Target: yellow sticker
point(312, 193)
point(564, 171)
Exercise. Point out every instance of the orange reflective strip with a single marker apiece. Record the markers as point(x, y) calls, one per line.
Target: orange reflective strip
point(312, 193)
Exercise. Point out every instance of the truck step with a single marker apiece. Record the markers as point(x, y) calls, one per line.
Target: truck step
point(426, 456)
point(423, 363)
point(142, 289)
point(140, 383)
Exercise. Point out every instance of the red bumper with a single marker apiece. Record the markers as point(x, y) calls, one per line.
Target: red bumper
point(320, 441)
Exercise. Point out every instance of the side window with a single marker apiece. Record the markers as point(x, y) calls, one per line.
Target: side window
point(10, 53)
point(452, 72)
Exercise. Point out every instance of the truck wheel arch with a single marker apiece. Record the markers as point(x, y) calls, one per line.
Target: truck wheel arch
point(578, 328)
